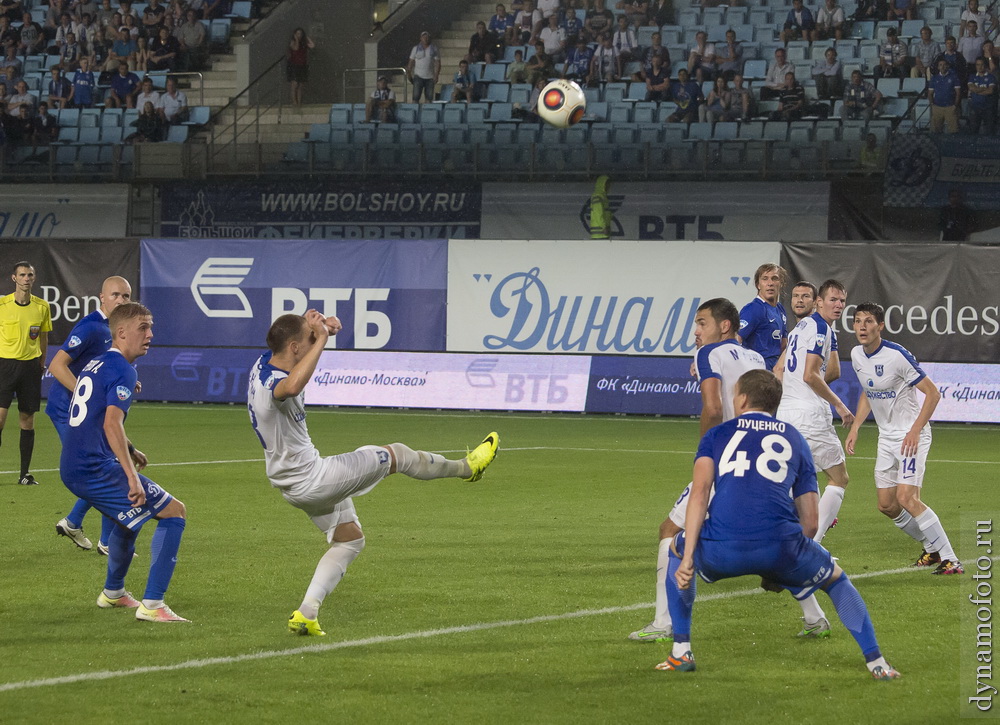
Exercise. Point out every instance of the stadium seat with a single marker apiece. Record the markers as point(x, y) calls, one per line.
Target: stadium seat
point(520, 93)
point(219, 36)
point(620, 112)
point(68, 134)
point(863, 29)
point(89, 118)
point(476, 113)
point(597, 111)
point(752, 130)
point(644, 111)
point(776, 130)
point(429, 113)
point(319, 133)
point(913, 86)
point(177, 134)
point(636, 91)
point(755, 69)
point(494, 73)
point(89, 135)
point(499, 92)
point(888, 87)
point(614, 92)
point(454, 114)
point(111, 134)
point(725, 131)
point(340, 114)
point(501, 112)
point(407, 112)
point(699, 131)
point(241, 9)
point(911, 28)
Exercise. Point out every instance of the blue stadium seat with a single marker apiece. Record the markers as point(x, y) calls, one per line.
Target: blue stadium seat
point(644, 112)
point(913, 86)
point(219, 35)
point(636, 91)
point(406, 112)
point(700, 131)
point(500, 112)
point(476, 113)
point(597, 111)
point(620, 112)
point(520, 93)
point(241, 9)
point(888, 87)
point(614, 92)
point(911, 28)
point(498, 92)
point(68, 134)
point(177, 134)
point(494, 73)
point(755, 69)
point(454, 114)
point(319, 133)
point(89, 135)
point(111, 134)
point(776, 130)
point(725, 131)
point(90, 117)
point(340, 114)
point(429, 113)
point(112, 117)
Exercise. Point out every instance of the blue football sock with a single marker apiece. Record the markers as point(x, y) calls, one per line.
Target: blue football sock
point(163, 555)
point(680, 602)
point(121, 547)
point(107, 526)
point(75, 516)
point(854, 615)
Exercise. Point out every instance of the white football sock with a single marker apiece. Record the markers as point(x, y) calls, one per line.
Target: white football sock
point(152, 603)
point(329, 572)
point(829, 507)
point(427, 466)
point(680, 649)
point(909, 526)
point(937, 539)
point(811, 610)
point(880, 662)
point(114, 593)
point(661, 619)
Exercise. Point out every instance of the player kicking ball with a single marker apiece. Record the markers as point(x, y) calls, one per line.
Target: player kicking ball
point(889, 377)
point(323, 487)
point(754, 526)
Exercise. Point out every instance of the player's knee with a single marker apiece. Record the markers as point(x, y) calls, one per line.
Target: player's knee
point(174, 510)
point(890, 509)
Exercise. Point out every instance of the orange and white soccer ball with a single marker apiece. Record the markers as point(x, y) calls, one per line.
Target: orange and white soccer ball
point(562, 103)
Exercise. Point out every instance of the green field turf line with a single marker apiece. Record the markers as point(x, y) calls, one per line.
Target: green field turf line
point(385, 639)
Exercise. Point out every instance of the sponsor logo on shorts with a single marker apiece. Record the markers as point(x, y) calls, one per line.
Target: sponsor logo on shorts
point(74, 341)
point(123, 392)
point(130, 514)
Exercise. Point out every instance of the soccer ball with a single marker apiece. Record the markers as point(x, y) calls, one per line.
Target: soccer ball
point(562, 103)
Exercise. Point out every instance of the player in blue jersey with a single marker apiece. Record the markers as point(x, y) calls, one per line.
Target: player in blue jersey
point(323, 487)
point(89, 338)
point(100, 465)
point(763, 319)
point(753, 526)
point(890, 378)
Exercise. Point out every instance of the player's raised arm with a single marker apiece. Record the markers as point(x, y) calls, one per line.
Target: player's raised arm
point(932, 396)
point(114, 429)
point(315, 335)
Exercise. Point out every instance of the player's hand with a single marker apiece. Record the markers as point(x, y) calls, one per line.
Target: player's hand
point(139, 459)
point(138, 387)
point(846, 416)
point(852, 438)
point(685, 573)
point(315, 321)
point(910, 442)
point(333, 325)
point(135, 493)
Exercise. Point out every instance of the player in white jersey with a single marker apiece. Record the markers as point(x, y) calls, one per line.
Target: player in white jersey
point(890, 378)
point(807, 397)
point(323, 487)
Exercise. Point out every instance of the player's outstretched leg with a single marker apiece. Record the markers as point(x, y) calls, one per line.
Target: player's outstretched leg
point(72, 525)
point(163, 554)
point(329, 572)
point(121, 547)
point(482, 456)
point(681, 602)
point(854, 615)
point(427, 466)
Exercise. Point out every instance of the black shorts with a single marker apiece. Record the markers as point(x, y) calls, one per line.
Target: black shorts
point(297, 73)
point(22, 378)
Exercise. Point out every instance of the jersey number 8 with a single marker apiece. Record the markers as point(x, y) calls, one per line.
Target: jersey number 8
point(78, 408)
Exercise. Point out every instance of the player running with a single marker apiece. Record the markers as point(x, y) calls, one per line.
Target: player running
point(890, 377)
point(100, 465)
point(754, 527)
point(763, 319)
point(323, 487)
point(89, 338)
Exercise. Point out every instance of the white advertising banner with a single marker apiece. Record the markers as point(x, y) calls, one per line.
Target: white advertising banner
point(613, 297)
point(440, 380)
point(969, 393)
point(65, 211)
point(660, 211)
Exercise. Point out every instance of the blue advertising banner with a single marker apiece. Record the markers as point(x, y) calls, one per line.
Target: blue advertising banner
point(226, 293)
point(321, 209)
point(923, 168)
point(652, 386)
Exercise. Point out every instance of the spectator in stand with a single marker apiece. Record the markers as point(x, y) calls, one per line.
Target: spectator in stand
point(955, 222)
point(149, 126)
point(578, 62)
point(972, 13)
point(9, 36)
point(635, 11)
point(828, 75)
point(104, 13)
point(152, 17)
point(901, 10)
point(792, 101)
point(954, 59)
point(860, 99)
point(132, 26)
point(540, 65)
point(982, 100)
point(686, 93)
point(86, 33)
point(32, 37)
point(656, 48)
point(742, 99)
point(701, 59)
point(553, 38)
point(463, 84)
point(719, 104)
point(66, 26)
point(123, 90)
point(123, 51)
point(945, 93)
point(485, 46)
point(213, 9)
point(21, 128)
point(991, 55)
point(606, 64)
point(147, 94)
point(572, 25)
point(923, 53)
point(163, 51)
point(177, 10)
point(10, 59)
point(625, 42)
point(125, 9)
point(84, 85)
point(774, 81)
point(971, 44)
point(517, 71)
point(53, 15)
point(874, 10)
point(60, 89)
point(70, 53)
point(22, 98)
point(46, 128)
point(382, 102)
point(729, 57)
point(548, 8)
point(830, 21)
point(142, 57)
point(193, 42)
point(502, 23)
point(297, 63)
point(423, 68)
point(657, 81)
point(660, 13)
point(799, 23)
point(173, 103)
point(891, 57)
point(599, 21)
point(85, 7)
point(11, 9)
point(10, 80)
point(528, 23)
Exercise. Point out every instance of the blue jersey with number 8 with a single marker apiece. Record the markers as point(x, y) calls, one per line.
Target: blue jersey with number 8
point(758, 460)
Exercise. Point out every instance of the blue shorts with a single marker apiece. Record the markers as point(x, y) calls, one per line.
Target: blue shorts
point(799, 565)
point(108, 493)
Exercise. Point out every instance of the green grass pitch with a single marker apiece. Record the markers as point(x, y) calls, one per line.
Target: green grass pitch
point(504, 601)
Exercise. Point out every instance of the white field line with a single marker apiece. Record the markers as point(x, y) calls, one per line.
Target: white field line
point(385, 639)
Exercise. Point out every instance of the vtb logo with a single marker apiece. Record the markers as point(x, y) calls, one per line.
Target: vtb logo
point(221, 277)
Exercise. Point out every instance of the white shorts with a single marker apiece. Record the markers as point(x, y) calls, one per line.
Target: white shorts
point(678, 514)
point(816, 426)
point(326, 497)
point(891, 469)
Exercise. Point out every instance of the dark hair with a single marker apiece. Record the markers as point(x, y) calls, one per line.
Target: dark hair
point(20, 264)
point(128, 311)
point(762, 388)
point(723, 310)
point(830, 284)
point(810, 285)
point(872, 308)
point(283, 330)
point(769, 267)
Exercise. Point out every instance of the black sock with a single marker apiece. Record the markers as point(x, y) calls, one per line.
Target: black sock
point(27, 448)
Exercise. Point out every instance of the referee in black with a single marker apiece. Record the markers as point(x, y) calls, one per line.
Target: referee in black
point(25, 322)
